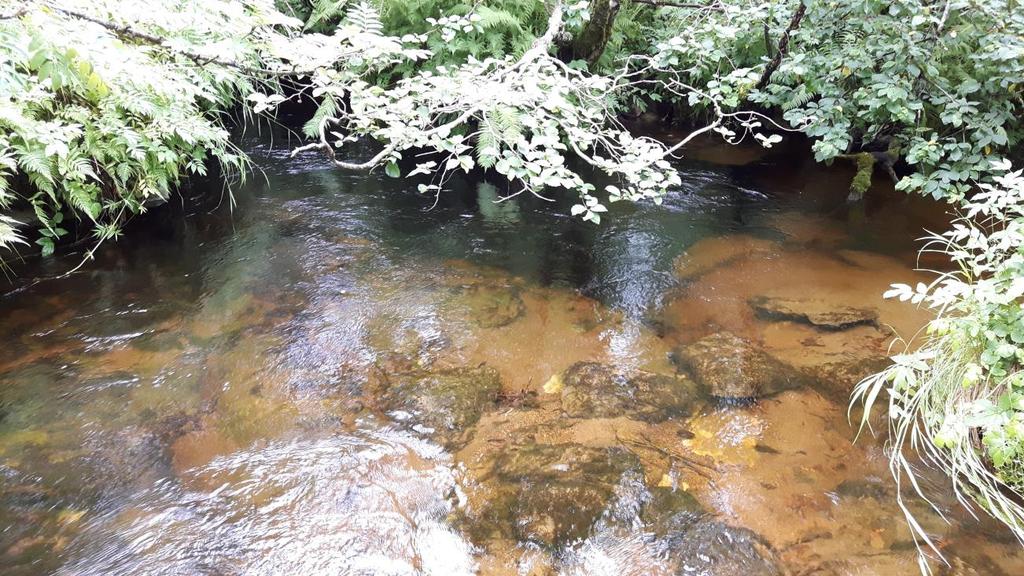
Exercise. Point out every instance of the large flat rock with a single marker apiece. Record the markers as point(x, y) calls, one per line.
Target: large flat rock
point(816, 312)
point(731, 367)
point(594, 390)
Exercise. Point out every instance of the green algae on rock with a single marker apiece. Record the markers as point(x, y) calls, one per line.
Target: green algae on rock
point(493, 306)
point(670, 510)
point(551, 495)
point(442, 403)
point(731, 367)
point(593, 390)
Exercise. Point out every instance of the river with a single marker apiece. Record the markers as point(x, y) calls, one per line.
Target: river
point(332, 377)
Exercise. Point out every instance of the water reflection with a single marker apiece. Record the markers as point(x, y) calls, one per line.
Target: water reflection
point(336, 380)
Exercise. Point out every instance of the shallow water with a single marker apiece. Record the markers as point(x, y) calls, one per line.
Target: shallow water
point(333, 379)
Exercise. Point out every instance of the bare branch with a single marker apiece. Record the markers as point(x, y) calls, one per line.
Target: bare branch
point(780, 52)
point(15, 14)
point(661, 4)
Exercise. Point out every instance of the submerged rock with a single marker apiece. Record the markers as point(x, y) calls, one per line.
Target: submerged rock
point(837, 379)
point(868, 487)
point(734, 368)
point(711, 548)
point(813, 311)
point(441, 403)
point(593, 390)
point(713, 253)
point(552, 494)
point(698, 544)
point(36, 525)
point(493, 306)
point(112, 460)
point(670, 511)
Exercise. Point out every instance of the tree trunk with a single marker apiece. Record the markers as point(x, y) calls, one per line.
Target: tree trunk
point(589, 45)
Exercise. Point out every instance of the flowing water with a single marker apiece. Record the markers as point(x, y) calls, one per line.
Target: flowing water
point(334, 379)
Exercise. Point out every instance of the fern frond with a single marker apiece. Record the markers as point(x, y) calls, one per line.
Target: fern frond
point(506, 122)
point(36, 163)
point(491, 18)
point(365, 18)
point(324, 11)
point(797, 98)
point(326, 110)
point(9, 233)
point(486, 142)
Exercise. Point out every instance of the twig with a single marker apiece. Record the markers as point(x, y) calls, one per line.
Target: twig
point(794, 23)
point(16, 14)
point(696, 466)
point(660, 4)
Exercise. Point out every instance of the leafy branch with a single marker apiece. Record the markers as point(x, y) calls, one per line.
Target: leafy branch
point(558, 109)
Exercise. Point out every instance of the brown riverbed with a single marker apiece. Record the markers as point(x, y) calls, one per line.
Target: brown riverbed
point(333, 380)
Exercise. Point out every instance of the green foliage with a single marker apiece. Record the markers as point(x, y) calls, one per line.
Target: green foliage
point(959, 397)
point(320, 16)
point(97, 122)
point(500, 28)
point(941, 81)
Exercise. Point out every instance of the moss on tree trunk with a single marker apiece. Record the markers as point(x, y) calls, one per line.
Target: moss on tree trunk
point(590, 43)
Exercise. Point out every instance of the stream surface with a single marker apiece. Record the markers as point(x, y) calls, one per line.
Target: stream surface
point(333, 379)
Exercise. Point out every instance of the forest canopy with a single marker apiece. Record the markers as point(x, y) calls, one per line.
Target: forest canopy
point(107, 106)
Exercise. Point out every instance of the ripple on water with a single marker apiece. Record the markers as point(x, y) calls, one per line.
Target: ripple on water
point(368, 502)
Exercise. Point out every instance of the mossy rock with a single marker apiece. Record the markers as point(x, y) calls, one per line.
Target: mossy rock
point(593, 390)
point(551, 495)
point(731, 367)
point(444, 403)
point(493, 306)
point(712, 548)
point(670, 510)
point(248, 414)
point(699, 544)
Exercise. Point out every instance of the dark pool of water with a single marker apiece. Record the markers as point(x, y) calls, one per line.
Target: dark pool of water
point(335, 378)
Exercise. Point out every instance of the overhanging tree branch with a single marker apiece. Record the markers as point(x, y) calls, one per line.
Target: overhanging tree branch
point(15, 14)
point(538, 49)
point(200, 59)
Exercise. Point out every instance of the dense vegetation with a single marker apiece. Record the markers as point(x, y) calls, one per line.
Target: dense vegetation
point(935, 84)
point(99, 119)
point(107, 105)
